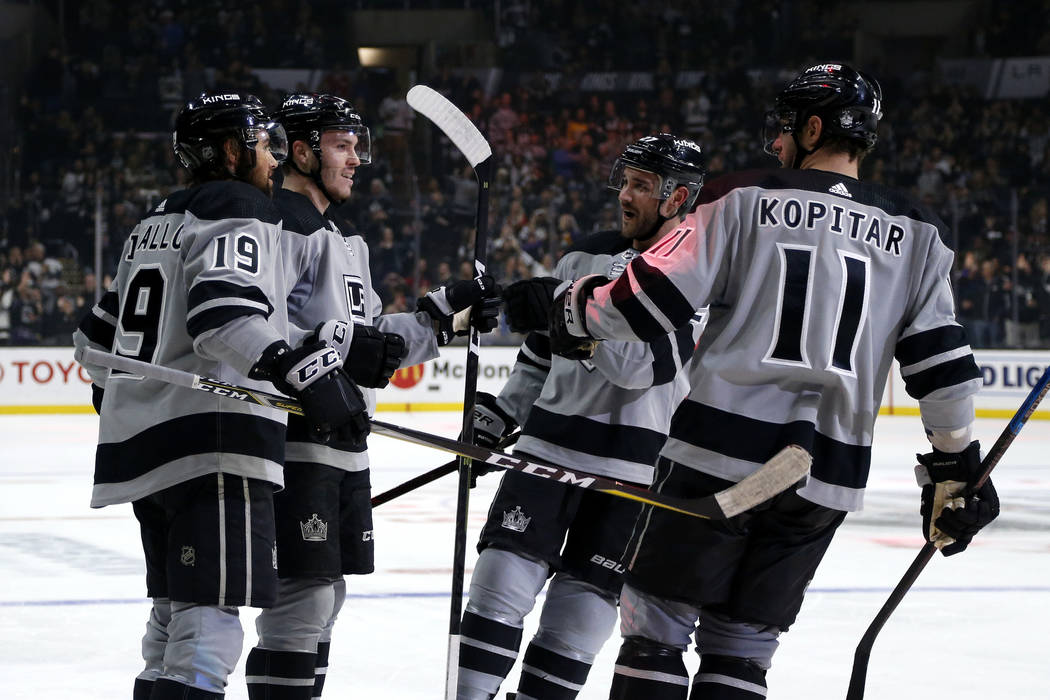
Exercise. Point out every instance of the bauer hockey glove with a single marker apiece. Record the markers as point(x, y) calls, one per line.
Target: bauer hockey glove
point(455, 307)
point(374, 356)
point(492, 425)
point(332, 404)
point(952, 510)
point(568, 330)
point(528, 303)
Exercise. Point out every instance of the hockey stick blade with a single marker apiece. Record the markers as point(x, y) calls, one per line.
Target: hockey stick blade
point(785, 469)
point(862, 654)
point(447, 117)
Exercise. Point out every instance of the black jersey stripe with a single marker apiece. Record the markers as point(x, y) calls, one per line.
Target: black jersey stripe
point(665, 364)
point(208, 291)
point(662, 292)
point(920, 346)
point(197, 434)
point(526, 360)
point(539, 344)
point(686, 345)
point(227, 199)
point(941, 376)
point(627, 443)
point(97, 330)
point(753, 440)
point(110, 303)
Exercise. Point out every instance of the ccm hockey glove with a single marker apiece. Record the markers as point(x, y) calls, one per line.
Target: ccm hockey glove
point(332, 404)
point(952, 510)
point(374, 356)
point(528, 303)
point(456, 307)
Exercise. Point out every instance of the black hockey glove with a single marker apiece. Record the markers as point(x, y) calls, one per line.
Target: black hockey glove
point(491, 426)
point(332, 404)
point(445, 304)
point(952, 510)
point(374, 356)
point(529, 302)
point(97, 393)
point(335, 334)
point(568, 330)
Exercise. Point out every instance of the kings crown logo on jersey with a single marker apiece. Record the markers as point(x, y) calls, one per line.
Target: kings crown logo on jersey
point(314, 529)
point(516, 520)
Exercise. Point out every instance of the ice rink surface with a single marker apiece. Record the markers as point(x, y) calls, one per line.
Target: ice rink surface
point(72, 606)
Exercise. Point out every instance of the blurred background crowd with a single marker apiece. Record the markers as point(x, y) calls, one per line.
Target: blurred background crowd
point(88, 148)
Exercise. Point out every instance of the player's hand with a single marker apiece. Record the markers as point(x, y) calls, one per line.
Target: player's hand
point(474, 298)
point(568, 330)
point(333, 406)
point(491, 423)
point(952, 510)
point(374, 356)
point(528, 303)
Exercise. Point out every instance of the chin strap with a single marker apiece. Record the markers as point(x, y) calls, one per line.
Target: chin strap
point(315, 176)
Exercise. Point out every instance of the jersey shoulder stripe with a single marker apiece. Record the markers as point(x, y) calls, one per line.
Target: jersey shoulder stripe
point(298, 213)
point(833, 185)
point(214, 303)
point(187, 436)
point(224, 199)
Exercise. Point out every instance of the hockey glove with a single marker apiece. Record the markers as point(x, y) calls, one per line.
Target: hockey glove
point(568, 330)
point(491, 426)
point(449, 307)
point(529, 302)
point(952, 510)
point(332, 404)
point(374, 356)
point(335, 334)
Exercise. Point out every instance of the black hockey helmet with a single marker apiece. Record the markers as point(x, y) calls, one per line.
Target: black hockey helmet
point(848, 102)
point(306, 116)
point(678, 162)
point(204, 124)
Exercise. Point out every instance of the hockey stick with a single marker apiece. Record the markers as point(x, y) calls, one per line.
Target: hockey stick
point(432, 475)
point(784, 470)
point(863, 652)
point(462, 132)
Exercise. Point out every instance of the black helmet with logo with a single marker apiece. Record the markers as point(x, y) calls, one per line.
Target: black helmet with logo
point(203, 125)
point(677, 161)
point(848, 102)
point(305, 116)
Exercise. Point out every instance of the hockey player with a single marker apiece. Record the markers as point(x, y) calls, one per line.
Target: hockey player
point(324, 513)
point(608, 415)
point(200, 287)
point(816, 281)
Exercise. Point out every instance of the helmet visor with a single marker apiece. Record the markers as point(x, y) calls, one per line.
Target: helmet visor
point(363, 143)
point(641, 182)
point(276, 139)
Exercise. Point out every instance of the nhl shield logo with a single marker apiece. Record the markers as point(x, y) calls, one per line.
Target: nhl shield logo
point(515, 520)
point(188, 556)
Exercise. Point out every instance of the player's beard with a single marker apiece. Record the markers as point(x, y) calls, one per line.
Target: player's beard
point(640, 225)
point(259, 175)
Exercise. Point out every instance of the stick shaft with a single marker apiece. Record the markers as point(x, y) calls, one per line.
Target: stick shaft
point(995, 453)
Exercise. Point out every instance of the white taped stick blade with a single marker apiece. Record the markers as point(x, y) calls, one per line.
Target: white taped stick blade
point(451, 120)
point(784, 470)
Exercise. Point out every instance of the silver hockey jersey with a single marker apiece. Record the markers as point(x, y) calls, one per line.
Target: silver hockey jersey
point(608, 415)
point(327, 272)
point(815, 281)
point(199, 287)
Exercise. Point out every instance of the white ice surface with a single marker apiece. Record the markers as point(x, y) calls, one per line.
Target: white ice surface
point(974, 626)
